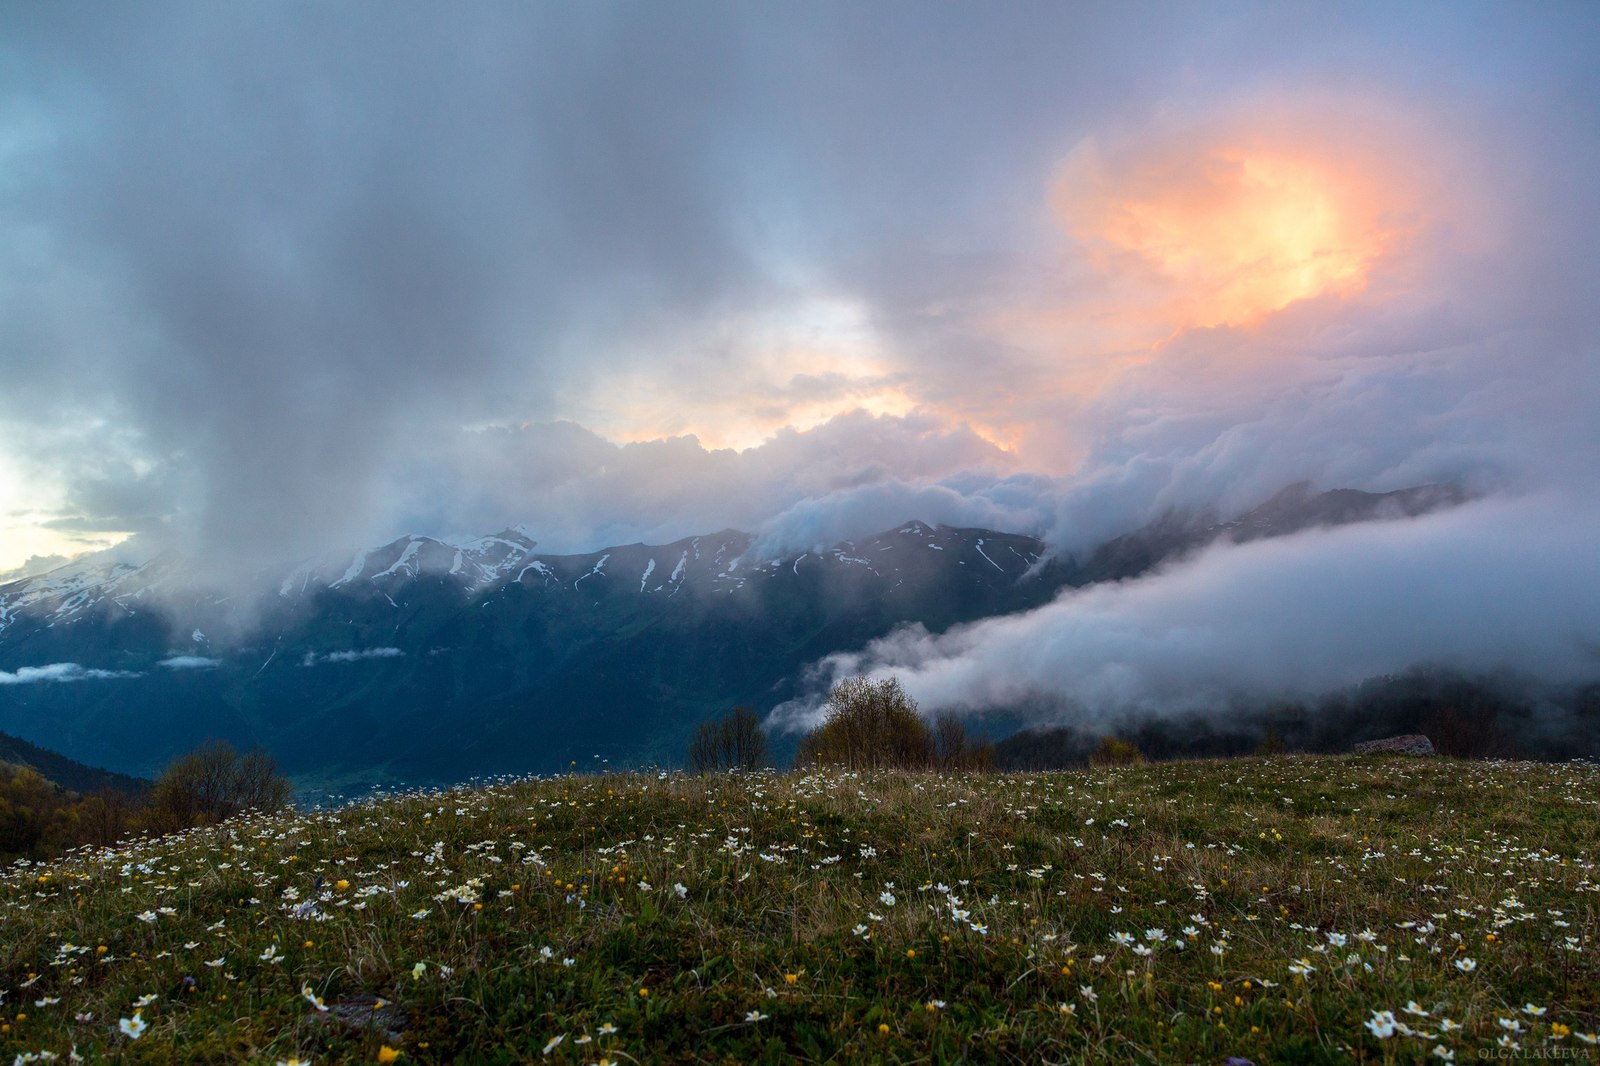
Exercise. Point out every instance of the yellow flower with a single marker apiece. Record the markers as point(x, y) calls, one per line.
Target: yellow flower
point(388, 1054)
point(341, 884)
point(790, 978)
point(883, 1028)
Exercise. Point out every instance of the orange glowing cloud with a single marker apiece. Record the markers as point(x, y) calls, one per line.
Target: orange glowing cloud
point(1228, 228)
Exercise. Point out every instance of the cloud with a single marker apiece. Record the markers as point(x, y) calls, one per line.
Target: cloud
point(189, 662)
point(59, 672)
point(1486, 587)
point(359, 655)
point(282, 281)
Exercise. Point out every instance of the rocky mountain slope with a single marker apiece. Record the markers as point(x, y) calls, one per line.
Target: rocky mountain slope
point(426, 659)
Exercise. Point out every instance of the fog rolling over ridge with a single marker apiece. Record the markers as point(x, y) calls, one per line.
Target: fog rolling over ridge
point(1493, 586)
point(289, 281)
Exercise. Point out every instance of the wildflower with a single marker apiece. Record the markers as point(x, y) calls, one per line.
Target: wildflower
point(886, 898)
point(1122, 939)
point(755, 1016)
point(607, 1029)
point(1413, 1007)
point(1466, 965)
point(1382, 1024)
point(1532, 1011)
point(133, 1028)
point(145, 1001)
point(680, 890)
point(1302, 967)
point(1067, 1009)
point(555, 1042)
point(1087, 992)
point(934, 1004)
point(790, 978)
point(387, 1054)
point(312, 998)
point(418, 970)
point(1444, 1053)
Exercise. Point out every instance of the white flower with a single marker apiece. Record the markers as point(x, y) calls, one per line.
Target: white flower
point(680, 890)
point(935, 1004)
point(1442, 1052)
point(1532, 1011)
point(645, 885)
point(555, 1042)
point(1413, 1007)
point(418, 970)
point(1381, 1024)
point(607, 1029)
point(1122, 939)
point(312, 998)
point(755, 1016)
point(1087, 992)
point(886, 898)
point(1155, 936)
point(133, 1028)
point(419, 915)
point(1217, 948)
point(1466, 965)
point(145, 1001)
point(1067, 1009)
point(146, 916)
point(217, 963)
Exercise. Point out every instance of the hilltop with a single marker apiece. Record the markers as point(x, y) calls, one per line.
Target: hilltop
point(1278, 910)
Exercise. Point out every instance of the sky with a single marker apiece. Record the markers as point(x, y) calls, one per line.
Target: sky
point(288, 278)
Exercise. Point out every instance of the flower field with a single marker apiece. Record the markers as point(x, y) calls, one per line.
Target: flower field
point(1272, 910)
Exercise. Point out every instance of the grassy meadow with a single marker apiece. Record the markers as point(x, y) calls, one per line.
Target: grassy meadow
point(1291, 909)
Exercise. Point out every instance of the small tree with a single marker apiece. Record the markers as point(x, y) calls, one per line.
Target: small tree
point(214, 782)
point(954, 750)
point(1113, 751)
point(735, 742)
point(869, 724)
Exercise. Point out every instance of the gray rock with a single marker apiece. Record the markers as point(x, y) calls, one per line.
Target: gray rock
point(1410, 744)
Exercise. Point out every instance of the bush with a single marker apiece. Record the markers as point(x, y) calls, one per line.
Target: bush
point(870, 724)
point(732, 743)
point(1115, 752)
point(214, 782)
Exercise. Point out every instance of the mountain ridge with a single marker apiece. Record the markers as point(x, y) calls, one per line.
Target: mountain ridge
point(342, 668)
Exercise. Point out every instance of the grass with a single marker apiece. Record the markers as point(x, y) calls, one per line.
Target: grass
point(1278, 910)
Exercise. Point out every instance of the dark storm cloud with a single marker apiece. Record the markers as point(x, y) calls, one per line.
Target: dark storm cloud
point(285, 278)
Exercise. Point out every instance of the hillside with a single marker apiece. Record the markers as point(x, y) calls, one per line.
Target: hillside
point(67, 773)
point(1288, 910)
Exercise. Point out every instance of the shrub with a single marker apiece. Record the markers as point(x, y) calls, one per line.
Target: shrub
point(870, 724)
point(735, 742)
point(213, 782)
point(1116, 752)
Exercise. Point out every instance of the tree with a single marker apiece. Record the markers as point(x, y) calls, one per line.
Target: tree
point(869, 724)
point(735, 742)
point(214, 782)
point(954, 750)
point(1114, 751)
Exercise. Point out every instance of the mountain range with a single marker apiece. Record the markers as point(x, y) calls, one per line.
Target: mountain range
point(430, 660)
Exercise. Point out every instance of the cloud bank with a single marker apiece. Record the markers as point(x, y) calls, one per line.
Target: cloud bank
point(1491, 586)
